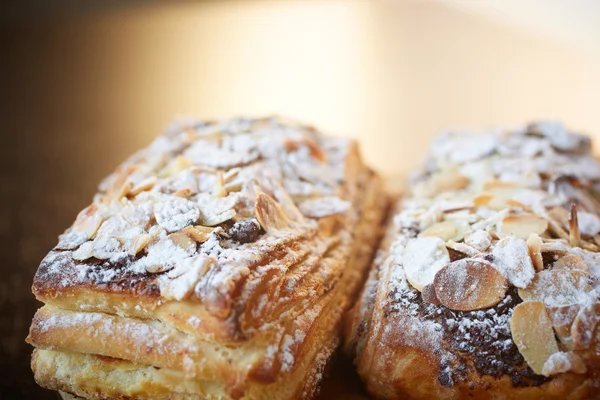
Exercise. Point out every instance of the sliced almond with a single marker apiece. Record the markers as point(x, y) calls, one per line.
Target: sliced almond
point(448, 230)
point(532, 332)
point(480, 240)
point(561, 362)
point(184, 241)
point(496, 202)
point(198, 233)
point(139, 242)
point(534, 244)
point(88, 220)
point(178, 164)
point(429, 296)
point(562, 318)
point(584, 325)
point(216, 219)
point(507, 189)
point(511, 258)
point(423, 258)
point(183, 193)
point(84, 251)
point(142, 186)
point(219, 190)
point(469, 284)
point(522, 225)
point(574, 234)
point(557, 287)
point(463, 248)
point(315, 150)
point(572, 261)
point(269, 213)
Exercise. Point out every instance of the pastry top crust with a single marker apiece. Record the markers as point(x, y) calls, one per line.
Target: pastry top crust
point(488, 275)
point(232, 218)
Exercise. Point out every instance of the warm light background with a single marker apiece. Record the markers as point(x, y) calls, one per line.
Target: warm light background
point(390, 73)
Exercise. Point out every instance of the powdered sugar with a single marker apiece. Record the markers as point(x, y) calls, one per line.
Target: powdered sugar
point(511, 258)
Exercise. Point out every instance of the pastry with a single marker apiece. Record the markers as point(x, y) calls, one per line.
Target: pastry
point(214, 264)
point(486, 282)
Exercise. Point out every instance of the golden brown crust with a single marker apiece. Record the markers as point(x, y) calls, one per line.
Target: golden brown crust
point(224, 253)
point(482, 202)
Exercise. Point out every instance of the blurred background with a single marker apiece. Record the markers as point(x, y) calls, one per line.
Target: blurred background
point(86, 83)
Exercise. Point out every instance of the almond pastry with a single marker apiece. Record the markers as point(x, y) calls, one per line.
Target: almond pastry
point(510, 310)
point(214, 264)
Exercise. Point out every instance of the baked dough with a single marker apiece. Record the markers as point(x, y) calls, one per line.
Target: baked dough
point(214, 264)
point(488, 272)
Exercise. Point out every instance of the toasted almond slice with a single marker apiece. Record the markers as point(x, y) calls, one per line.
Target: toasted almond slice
point(423, 257)
point(179, 164)
point(139, 242)
point(198, 233)
point(469, 284)
point(562, 362)
point(84, 251)
point(584, 325)
point(142, 186)
point(219, 190)
point(531, 330)
point(184, 241)
point(88, 220)
point(562, 318)
point(560, 215)
point(496, 202)
point(269, 213)
point(183, 193)
point(511, 258)
point(428, 294)
point(216, 219)
point(507, 189)
point(557, 287)
point(534, 244)
point(463, 248)
point(315, 150)
point(480, 240)
point(522, 225)
point(448, 230)
point(572, 261)
point(574, 234)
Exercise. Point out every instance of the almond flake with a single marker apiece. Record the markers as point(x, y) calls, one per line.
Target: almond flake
point(216, 219)
point(572, 261)
point(511, 258)
point(447, 179)
point(480, 240)
point(219, 190)
point(532, 332)
point(175, 213)
point(584, 326)
point(423, 258)
point(428, 294)
point(183, 193)
point(534, 244)
point(139, 242)
point(522, 225)
point(469, 284)
point(562, 318)
point(84, 251)
point(71, 240)
point(88, 220)
point(574, 234)
point(269, 214)
point(142, 186)
point(182, 240)
point(448, 230)
point(180, 282)
point(496, 202)
point(562, 362)
point(557, 287)
point(198, 233)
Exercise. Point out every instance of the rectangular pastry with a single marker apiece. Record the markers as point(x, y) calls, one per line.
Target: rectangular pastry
point(486, 283)
point(214, 264)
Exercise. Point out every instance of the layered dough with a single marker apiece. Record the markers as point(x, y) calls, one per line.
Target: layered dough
point(216, 263)
point(486, 283)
